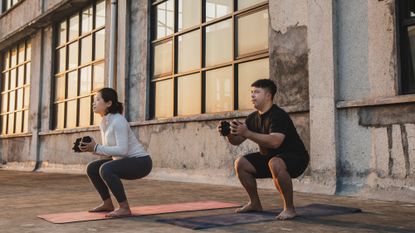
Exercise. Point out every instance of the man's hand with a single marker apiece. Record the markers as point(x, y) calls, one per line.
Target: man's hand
point(239, 128)
point(87, 146)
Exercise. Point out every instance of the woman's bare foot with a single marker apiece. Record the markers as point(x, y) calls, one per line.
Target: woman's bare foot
point(104, 207)
point(249, 208)
point(121, 212)
point(287, 214)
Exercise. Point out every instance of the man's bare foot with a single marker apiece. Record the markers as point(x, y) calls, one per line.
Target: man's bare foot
point(102, 208)
point(287, 214)
point(249, 208)
point(121, 212)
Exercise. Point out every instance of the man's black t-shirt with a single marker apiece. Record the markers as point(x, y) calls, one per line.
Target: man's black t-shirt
point(276, 120)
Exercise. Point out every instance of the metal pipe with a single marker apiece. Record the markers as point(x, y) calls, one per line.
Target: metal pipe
point(113, 37)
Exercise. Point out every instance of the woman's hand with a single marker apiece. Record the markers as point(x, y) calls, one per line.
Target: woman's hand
point(87, 146)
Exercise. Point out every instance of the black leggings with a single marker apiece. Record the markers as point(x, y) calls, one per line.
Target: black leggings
point(106, 173)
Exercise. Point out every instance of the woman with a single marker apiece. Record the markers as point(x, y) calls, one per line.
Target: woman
point(122, 155)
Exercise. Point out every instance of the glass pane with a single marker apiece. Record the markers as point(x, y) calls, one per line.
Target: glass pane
point(26, 97)
point(74, 27)
point(61, 59)
point(19, 122)
point(20, 76)
point(100, 14)
point(189, 51)
point(71, 114)
point(86, 49)
point(85, 81)
point(72, 84)
point(5, 81)
point(189, 13)
point(19, 105)
point(87, 16)
point(13, 78)
point(98, 76)
point(247, 3)
point(164, 98)
point(410, 83)
point(6, 61)
point(189, 95)
point(100, 44)
point(4, 102)
point(4, 124)
point(12, 99)
point(165, 19)
point(219, 90)
point(10, 130)
point(14, 57)
point(60, 115)
point(21, 53)
point(73, 55)
point(163, 55)
point(25, 121)
point(219, 43)
point(60, 88)
point(62, 33)
point(248, 73)
point(85, 111)
point(28, 51)
point(218, 8)
point(28, 73)
point(253, 32)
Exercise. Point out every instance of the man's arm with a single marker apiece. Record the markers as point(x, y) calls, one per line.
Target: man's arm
point(272, 140)
point(235, 140)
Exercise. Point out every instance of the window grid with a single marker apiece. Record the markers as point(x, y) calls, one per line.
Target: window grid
point(15, 89)
point(406, 35)
point(201, 29)
point(7, 4)
point(75, 87)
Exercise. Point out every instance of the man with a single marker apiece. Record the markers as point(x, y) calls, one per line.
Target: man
point(282, 155)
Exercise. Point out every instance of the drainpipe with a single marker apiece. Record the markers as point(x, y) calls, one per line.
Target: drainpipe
point(113, 34)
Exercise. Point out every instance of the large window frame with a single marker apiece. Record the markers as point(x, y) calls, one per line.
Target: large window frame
point(406, 25)
point(78, 72)
point(204, 69)
point(8, 4)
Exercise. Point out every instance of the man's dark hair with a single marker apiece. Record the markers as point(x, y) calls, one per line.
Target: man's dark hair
point(267, 84)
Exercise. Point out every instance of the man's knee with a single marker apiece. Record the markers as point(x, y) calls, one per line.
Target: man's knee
point(276, 165)
point(243, 165)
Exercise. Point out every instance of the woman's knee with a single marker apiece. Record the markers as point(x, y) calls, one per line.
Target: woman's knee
point(92, 169)
point(105, 171)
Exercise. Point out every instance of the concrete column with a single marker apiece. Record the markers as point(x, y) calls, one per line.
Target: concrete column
point(322, 77)
point(122, 51)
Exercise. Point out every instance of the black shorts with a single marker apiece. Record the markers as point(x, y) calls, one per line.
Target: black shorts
point(296, 163)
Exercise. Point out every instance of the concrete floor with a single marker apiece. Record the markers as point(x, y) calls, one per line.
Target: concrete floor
point(23, 195)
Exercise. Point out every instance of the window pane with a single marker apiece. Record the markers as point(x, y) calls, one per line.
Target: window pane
point(5, 81)
point(164, 98)
point(165, 19)
point(28, 73)
point(219, 90)
point(26, 97)
point(100, 14)
point(4, 124)
point(13, 58)
point(86, 49)
point(98, 76)
point(85, 111)
point(20, 76)
point(74, 27)
point(410, 82)
point(189, 13)
point(4, 102)
point(73, 55)
point(219, 43)
point(189, 51)
point(60, 88)
point(19, 99)
point(247, 3)
point(11, 124)
point(62, 33)
point(12, 99)
point(61, 59)
point(28, 51)
point(218, 8)
point(87, 16)
point(100, 44)
point(189, 94)
point(85, 81)
point(21, 53)
point(252, 32)
point(248, 73)
point(60, 115)
point(13, 79)
point(19, 122)
point(71, 114)
point(25, 121)
point(163, 58)
point(72, 84)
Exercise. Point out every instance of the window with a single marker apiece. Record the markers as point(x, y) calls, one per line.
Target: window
point(7, 4)
point(406, 21)
point(206, 54)
point(79, 69)
point(15, 89)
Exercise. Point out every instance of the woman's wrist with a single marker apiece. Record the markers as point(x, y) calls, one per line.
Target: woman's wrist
point(95, 147)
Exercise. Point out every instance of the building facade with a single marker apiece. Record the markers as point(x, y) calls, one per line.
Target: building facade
point(344, 70)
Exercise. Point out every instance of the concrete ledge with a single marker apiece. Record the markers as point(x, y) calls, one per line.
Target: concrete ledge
point(376, 101)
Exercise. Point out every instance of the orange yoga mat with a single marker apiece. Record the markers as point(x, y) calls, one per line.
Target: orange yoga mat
point(139, 211)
